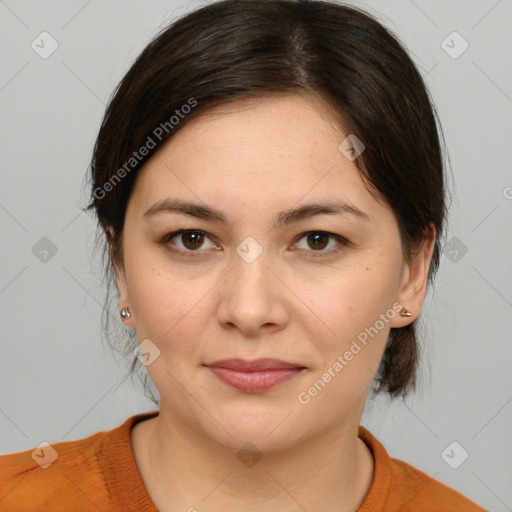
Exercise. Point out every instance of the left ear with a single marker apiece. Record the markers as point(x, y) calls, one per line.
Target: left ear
point(413, 287)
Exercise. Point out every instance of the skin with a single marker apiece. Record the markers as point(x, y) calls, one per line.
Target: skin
point(252, 161)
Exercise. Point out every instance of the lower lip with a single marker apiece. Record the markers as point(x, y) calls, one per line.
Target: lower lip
point(254, 381)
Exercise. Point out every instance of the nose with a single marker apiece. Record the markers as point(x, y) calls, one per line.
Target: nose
point(253, 298)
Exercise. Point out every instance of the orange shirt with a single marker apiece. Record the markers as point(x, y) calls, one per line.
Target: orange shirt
point(99, 473)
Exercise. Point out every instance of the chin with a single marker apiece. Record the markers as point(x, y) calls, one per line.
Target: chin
point(267, 428)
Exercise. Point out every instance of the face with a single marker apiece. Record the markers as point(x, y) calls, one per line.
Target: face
point(254, 280)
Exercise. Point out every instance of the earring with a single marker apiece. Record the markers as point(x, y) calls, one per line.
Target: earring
point(405, 312)
point(125, 313)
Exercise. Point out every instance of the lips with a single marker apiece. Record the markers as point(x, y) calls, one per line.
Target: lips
point(257, 365)
point(256, 375)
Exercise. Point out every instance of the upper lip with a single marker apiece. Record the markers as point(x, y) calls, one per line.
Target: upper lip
point(262, 364)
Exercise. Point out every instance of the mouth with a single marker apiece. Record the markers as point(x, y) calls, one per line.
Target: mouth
point(256, 375)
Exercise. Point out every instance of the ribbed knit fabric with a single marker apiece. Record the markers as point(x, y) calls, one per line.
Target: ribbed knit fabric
point(99, 474)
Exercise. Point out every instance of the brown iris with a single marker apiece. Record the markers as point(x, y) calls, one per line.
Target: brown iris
point(316, 239)
point(195, 237)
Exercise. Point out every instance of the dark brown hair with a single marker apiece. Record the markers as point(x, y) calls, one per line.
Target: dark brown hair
point(240, 49)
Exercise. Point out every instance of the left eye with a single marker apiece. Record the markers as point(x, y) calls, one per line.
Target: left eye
point(320, 239)
point(192, 240)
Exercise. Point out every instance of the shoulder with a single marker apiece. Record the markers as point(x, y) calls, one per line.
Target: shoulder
point(399, 486)
point(421, 492)
point(54, 476)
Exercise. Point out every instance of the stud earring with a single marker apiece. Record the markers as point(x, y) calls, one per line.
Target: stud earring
point(405, 312)
point(125, 313)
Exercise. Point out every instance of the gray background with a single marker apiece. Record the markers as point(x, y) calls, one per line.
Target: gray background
point(57, 381)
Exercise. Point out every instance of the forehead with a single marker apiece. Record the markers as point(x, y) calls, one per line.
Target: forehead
point(276, 151)
point(255, 129)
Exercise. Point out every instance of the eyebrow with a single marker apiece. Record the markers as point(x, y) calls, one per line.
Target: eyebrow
point(283, 218)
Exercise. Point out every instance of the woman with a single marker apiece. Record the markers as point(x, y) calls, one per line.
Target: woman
point(269, 180)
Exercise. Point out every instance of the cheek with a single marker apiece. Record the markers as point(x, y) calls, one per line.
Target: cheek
point(349, 343)
point(356, 311)
point(348, 304)
point(170, 312)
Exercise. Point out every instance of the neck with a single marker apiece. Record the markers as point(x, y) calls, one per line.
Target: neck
point(184, 470)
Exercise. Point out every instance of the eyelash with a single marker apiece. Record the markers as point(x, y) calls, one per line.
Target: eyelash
point(166, 241)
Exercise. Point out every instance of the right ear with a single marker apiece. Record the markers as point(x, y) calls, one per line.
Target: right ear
point(120, 277)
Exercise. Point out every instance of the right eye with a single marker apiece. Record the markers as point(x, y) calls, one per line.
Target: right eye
point(191, 240)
